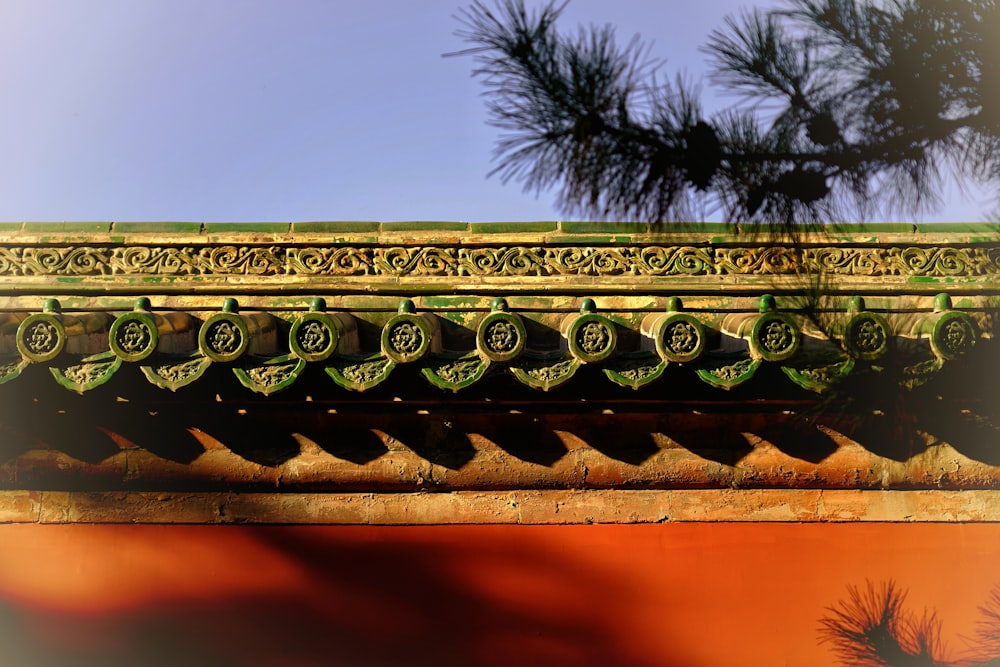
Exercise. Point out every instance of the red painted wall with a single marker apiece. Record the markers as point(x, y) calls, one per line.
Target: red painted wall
point(613, 595)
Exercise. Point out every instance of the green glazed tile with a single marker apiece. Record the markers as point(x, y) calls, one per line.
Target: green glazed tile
point(866, 228)
point(960, 227)
point(614, 228)
point(157, 227)
point(252, 227)
point(67, 227)
point(339, 227)
point(424, 226)
point(692, 227)
point(513, 227)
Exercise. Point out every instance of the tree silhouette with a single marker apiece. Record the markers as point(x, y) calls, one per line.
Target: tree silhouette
point(873, 628)
point(846, 109)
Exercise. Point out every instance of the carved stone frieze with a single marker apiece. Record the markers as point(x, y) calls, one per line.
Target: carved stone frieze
point(503, 261)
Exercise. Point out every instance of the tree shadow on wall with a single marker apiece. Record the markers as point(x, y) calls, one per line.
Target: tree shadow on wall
point(896, 417)
point(361, 598)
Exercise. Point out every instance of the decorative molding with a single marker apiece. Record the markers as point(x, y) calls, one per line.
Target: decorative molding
point(581, 506)
point(502, 261)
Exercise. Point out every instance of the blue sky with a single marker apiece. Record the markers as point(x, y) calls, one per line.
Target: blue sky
point(279, 110)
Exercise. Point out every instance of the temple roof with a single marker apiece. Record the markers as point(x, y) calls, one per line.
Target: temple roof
point(464, 307)
point(529, 372)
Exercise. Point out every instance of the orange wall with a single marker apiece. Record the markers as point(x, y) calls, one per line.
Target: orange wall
point(610, 595)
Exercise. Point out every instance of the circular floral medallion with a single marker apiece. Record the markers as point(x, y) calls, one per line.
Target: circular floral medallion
point(133, 336)
point(954, 334)
point(500, 337)
point(867, 336)
point(223, 337)
point(41, 337)
point(774, 337)
point(406, 337)
point(313, 337)
point(681, 338)
point(592, 338)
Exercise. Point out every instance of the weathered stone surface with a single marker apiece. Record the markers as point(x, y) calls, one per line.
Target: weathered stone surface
point(527, 507)
point(20, 506)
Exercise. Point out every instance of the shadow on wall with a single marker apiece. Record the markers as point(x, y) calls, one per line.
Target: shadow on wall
point(377, 600)
point(671, 595)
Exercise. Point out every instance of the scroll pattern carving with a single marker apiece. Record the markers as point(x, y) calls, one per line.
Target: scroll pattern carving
point(515, 261)
point(552, 372)
point(635, 372)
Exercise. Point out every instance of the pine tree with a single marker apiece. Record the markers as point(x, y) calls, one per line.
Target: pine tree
point(847, 109)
